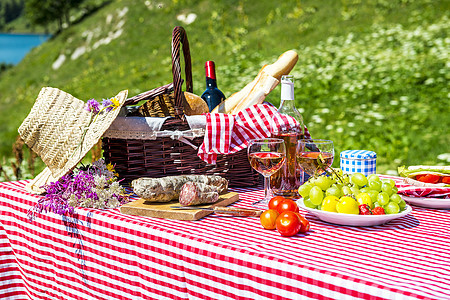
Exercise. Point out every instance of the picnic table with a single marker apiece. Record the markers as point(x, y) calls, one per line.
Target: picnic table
point(104, 254)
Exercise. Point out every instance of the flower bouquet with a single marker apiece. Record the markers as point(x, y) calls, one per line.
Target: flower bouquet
point(91, 186)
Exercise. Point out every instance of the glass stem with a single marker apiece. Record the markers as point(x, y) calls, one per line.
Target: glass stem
point(266, 187)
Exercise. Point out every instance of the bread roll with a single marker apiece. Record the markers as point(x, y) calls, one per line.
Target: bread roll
point(194, 105)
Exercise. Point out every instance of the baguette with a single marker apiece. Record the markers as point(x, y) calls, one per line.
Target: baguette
point(283, 66)
point(226, 106)
point(256, 91)
point(263, 85)
point(413, 171)
point(231, 102)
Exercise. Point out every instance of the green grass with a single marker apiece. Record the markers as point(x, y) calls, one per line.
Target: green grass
point(379, 84)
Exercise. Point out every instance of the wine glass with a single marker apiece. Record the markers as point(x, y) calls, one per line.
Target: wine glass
point(266, 156)
point(314, 156)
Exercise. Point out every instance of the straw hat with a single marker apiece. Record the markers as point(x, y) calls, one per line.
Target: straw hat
point(61, 131)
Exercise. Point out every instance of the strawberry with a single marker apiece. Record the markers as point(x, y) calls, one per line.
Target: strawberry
point(378, 211)
point(364, 209)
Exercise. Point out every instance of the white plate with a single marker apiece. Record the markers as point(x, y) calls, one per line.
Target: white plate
point(427, 202)
point(353, 220)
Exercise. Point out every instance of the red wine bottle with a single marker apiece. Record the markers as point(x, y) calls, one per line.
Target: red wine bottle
point(212, 95)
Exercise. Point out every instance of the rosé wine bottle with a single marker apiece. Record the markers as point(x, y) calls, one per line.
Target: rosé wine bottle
point(287, 180)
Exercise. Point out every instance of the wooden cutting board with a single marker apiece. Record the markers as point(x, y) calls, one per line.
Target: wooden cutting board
point(141, 207)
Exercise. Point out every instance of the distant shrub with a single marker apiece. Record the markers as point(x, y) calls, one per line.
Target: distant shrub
point(4, 67)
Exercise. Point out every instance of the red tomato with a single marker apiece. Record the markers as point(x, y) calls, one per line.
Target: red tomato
point(305, 223)
point(445, 179)
point(287, 205)
point(428, 178)
point(288, 223)
point(268, 218)
point(273, 203)
point(378, 211)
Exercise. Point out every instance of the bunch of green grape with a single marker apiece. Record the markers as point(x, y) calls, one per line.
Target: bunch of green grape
point(370, 190)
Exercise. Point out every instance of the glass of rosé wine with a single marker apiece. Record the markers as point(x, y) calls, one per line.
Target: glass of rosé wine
point(315, 156)
point(266, 156)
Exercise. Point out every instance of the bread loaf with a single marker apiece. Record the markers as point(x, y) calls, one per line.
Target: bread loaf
point(256, 91)
point(194, 105)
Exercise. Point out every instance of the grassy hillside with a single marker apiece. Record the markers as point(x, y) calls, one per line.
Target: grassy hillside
point(371, 74)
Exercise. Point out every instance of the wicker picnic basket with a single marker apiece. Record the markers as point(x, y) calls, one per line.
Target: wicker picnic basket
point(165, 156)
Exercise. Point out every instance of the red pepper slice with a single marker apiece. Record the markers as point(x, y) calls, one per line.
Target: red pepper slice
point(428, 178)
point(445, 179)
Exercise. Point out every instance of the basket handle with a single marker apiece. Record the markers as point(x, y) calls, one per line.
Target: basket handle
point(149, 94)
point(179, 36)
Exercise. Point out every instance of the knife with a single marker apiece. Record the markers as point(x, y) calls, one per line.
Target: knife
point(240, 212)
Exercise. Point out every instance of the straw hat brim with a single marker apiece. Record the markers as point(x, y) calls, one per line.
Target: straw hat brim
point(61, 131)
point(36, 185)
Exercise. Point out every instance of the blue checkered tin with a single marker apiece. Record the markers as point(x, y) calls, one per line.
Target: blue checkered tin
point(359, 161)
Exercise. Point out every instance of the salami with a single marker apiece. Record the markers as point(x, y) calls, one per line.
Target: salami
point(168, 188)
point(194, 193)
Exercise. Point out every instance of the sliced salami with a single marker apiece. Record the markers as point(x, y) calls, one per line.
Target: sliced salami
point(194, 193)
point(168, 188)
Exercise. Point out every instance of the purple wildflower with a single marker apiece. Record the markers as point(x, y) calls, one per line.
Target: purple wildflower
point(54, 200)
point(73, 189)
point(107, 104)
point(93, 106)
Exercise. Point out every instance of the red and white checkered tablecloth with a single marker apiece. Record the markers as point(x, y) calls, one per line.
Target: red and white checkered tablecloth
point(103, 254)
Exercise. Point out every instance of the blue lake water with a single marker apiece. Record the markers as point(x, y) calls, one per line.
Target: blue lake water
point(14, 47)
